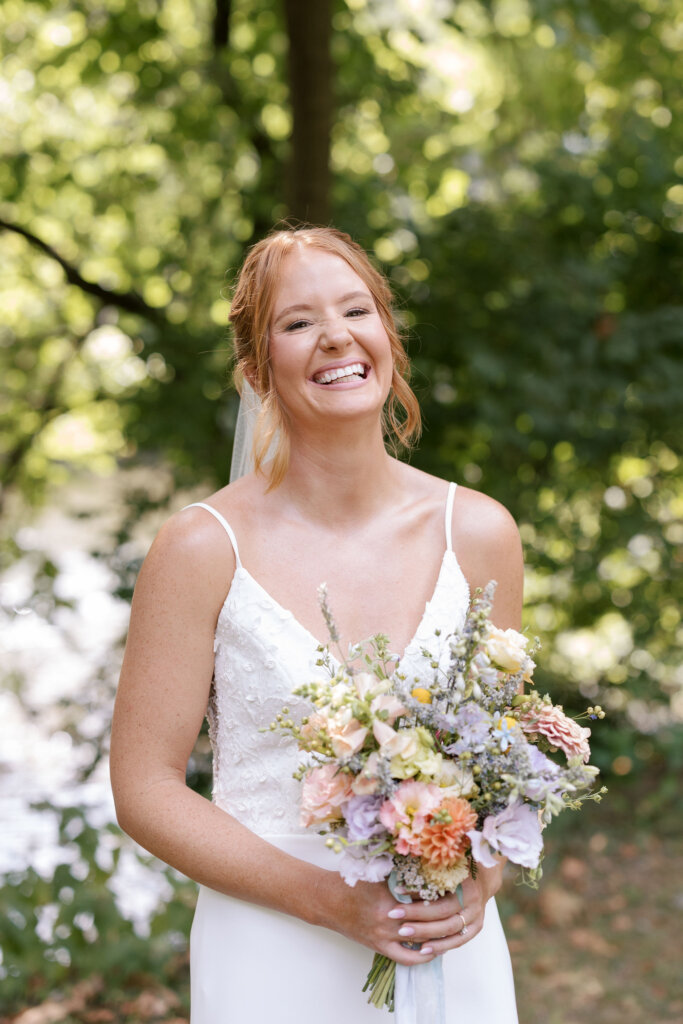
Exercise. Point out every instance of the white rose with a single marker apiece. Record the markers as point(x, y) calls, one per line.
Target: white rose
point(507, 649)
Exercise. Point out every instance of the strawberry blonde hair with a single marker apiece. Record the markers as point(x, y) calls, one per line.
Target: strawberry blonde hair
point(250, 315)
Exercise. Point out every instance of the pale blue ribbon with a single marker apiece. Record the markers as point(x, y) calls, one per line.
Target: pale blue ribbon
point(419, 994)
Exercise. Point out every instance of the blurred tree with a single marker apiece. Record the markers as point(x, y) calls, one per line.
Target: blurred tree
point(309, 27)
point(516, 169)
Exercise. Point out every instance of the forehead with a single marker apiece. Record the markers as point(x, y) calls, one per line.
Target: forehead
point(309, 273)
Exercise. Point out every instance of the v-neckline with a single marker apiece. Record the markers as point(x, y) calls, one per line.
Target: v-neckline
point(241, 572)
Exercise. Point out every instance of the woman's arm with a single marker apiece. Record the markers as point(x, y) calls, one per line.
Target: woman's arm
point(161, 702)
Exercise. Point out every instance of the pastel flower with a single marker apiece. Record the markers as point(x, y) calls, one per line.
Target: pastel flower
point(455, 778)
point(443, 843)
point(324, 791)
point(413, 754)
point(514, 833)
point(355, 868)
point(549, 720)
point(367, 683)
point(446, 878)
point(406, 811)
point(362, 817)
point(337, 694)
point(483, 669)
point(346, 737)
point(393, 743)
point(507, 649)
point(472, 724)
point(389, 705)
point(367, 782)
point(509, 729)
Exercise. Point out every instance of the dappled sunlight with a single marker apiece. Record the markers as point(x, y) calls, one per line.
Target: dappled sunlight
point(515, 169)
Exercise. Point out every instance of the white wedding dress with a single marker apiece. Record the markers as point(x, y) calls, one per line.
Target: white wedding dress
point(252, 965)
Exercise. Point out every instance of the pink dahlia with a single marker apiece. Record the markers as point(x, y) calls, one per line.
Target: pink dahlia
point(406, 811)
point(443, 844)
point(561, 731)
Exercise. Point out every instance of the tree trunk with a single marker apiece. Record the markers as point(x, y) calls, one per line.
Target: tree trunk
point(221, 24)
point(309, 26)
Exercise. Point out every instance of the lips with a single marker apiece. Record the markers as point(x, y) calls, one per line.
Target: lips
point(332, 374)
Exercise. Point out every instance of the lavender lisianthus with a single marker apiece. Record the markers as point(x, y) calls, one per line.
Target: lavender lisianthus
point(515, 833)
point(540, 764)
point(544, 780)
point(353, 867)
point(362, 817)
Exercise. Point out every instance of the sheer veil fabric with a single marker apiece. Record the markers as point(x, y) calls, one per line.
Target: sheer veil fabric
point(242, 461)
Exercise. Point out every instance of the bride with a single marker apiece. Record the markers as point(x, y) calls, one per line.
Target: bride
point(225, 617)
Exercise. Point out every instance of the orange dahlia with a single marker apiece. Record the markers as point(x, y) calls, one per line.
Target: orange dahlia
point(443, 843)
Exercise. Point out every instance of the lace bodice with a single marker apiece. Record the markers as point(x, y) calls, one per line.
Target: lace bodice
point(262, 653)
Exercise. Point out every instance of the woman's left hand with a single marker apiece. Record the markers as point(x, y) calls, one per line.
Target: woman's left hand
point(469, 918)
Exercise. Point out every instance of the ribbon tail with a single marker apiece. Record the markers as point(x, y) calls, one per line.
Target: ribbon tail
point(419, 995)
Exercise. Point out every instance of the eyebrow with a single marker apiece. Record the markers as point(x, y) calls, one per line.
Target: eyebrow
point(304, 306)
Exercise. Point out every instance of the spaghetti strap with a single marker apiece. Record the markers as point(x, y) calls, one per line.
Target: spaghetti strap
point(224, 523)
point(449, 516)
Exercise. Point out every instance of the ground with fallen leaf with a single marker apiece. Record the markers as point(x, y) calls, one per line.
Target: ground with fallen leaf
point(599, 941)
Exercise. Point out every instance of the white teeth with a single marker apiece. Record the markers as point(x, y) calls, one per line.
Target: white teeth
point(354, 370)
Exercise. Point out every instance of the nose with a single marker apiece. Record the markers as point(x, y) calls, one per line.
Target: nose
point(334, 333)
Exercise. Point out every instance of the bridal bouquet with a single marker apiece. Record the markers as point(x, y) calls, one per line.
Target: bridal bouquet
point(419, 779)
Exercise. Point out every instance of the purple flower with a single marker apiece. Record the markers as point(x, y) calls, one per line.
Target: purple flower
point(354, 868)
point(545, 776)
point(472, 724)
point(514, 833)
point(362, 817)
point(540, 764)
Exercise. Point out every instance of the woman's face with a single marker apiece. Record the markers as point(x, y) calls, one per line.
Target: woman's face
point(330, 354)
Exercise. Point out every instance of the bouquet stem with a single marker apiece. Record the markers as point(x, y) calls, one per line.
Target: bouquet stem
point(382, 982)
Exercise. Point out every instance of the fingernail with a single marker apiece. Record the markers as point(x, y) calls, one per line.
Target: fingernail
point(426, 949)
point(406, 930)
point(396, 913)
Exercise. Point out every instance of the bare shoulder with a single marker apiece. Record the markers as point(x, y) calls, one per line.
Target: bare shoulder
point(488, 546)
point(482, 519)
point(192, 557)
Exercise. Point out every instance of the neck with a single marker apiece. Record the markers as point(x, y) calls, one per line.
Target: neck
point(343, 477)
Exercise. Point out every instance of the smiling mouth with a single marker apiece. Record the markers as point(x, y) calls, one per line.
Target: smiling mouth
point(355, 371)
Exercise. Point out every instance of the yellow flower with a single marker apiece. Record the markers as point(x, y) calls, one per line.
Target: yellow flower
point(510, 722)
point(445, 878)
point(424, 696)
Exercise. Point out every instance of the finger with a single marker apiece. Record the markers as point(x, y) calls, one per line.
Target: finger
point(410, 957)
point(440, 946)
point(432, 911)
point(423, 931)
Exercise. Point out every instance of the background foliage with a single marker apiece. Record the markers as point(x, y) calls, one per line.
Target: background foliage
point(514, 166)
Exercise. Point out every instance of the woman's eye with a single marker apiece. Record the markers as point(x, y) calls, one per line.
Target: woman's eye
point(357, 311)
point(296, 324)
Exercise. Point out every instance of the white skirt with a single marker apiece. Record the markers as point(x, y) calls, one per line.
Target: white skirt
point(253, 965)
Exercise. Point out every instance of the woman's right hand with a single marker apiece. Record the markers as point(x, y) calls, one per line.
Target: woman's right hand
point(369, 914)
